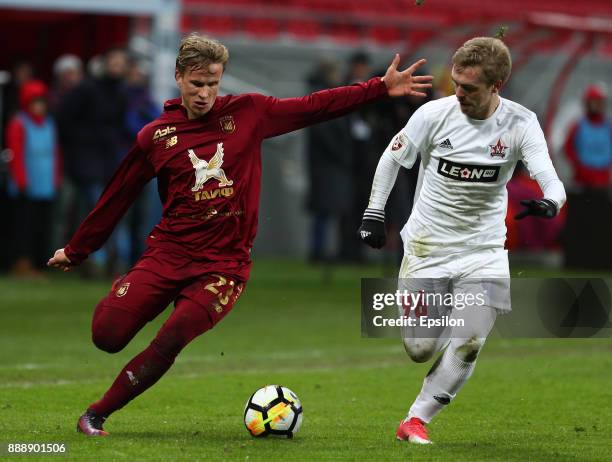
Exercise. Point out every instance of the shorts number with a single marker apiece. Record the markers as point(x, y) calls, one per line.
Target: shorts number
point(223, 295)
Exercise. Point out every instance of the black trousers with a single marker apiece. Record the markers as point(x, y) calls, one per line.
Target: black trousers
point(32, 224)
point(587, 235)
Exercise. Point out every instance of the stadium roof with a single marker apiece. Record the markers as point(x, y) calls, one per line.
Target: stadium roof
point(126, 7)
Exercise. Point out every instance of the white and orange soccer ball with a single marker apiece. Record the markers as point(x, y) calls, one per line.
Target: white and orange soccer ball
point(273, 410)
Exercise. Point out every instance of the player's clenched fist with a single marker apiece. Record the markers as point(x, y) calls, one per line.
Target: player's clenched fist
point(60, 260)
point(545, 208)
point(372, 230)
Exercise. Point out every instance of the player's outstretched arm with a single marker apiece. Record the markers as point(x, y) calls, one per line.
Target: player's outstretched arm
point(405, 83)
point(60, 260)
point(283, 115)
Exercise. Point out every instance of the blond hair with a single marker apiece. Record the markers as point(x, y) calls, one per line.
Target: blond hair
point(196, 51)
point(491, 54)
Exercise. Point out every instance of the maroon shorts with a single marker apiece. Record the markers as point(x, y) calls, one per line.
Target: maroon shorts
point(161, 277)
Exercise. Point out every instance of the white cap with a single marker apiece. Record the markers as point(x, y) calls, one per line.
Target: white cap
point(67, 62)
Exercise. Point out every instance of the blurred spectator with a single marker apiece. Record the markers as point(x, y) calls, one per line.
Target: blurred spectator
point(68, 73)
point(35, 170)
point(589, 144)
point(330, 162)
point(21, 72)
point(365, 157)
point(91, 121)
point(95, 66)
point(443, 83)
point(589, 150)
point(359, 67)
point(141, 110)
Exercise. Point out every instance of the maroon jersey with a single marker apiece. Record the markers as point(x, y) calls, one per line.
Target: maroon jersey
point(209, 173)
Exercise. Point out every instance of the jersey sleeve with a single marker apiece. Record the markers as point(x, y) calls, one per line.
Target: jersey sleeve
point(534, 150)
point(551, 187)
point(383, 182)
point(122, 190)
point(283, 115)
point(411, 140)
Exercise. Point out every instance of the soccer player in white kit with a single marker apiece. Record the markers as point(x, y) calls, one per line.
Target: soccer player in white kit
point(469, 145)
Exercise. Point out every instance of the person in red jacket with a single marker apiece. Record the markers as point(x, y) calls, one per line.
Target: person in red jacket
point(205, 151)
point(35, 177)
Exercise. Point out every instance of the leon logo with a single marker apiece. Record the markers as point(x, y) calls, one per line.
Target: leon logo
point(122, 290)
point(207, 170)
point(468, 172)
point(227, 124)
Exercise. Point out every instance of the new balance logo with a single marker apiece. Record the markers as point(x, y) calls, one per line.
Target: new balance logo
point(446, 144)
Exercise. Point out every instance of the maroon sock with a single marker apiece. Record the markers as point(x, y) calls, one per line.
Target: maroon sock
point(139, 374)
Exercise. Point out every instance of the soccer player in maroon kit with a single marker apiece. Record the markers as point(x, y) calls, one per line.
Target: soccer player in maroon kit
point(205, 151)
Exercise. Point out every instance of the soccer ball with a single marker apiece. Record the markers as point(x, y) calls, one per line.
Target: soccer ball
point(273, 410)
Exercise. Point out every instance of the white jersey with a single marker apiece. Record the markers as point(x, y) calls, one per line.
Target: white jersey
point(461, 197)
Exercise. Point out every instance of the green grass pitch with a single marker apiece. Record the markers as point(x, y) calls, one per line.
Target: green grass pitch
point(298, 326)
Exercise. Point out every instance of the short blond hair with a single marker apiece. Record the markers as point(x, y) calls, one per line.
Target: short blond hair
point(491, 54)
point(196, 51)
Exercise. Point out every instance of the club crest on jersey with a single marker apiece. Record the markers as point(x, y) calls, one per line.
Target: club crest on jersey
point(122, 290)
point(468, 172)
point(227, 124)
point(204, 171)
point(498, 149)
point(398, 143)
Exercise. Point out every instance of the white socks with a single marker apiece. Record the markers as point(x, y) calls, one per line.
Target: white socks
point(441, 385)
point(455, 366)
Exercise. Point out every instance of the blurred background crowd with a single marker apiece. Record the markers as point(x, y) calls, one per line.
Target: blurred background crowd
point(63, 139)
point(79, 79)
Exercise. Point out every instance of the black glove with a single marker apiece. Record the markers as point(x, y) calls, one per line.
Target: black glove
point(372, 230)
point(540, 208)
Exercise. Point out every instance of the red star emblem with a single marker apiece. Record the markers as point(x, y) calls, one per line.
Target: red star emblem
point(498, 150)
point(465, 173)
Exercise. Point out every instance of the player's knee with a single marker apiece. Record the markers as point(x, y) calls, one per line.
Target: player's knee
point(468, 349)
point(113, 328)
point(420, 351)
point(107, 343)
point(108, 337)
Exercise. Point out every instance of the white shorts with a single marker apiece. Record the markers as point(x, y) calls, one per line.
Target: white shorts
point(484, 273)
